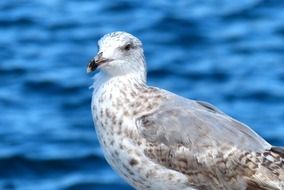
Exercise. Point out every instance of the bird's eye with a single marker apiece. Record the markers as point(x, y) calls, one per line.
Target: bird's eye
point(127, 47)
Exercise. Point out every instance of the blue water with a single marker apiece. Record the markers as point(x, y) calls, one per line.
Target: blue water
point(229, 53)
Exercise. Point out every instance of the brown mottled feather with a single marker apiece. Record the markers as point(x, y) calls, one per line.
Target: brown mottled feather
point(278, 150)
point(251, 185)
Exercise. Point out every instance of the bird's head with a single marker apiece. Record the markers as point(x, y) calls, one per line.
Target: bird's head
point(119, 53)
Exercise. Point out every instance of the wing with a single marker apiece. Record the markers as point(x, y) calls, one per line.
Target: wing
point(199, 140)
point(197, 124)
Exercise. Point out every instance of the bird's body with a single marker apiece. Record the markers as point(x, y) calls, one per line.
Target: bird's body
point(123, 147)
point(157, 140)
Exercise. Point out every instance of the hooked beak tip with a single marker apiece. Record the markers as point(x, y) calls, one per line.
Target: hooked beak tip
point(96, 62)
point(92, 66)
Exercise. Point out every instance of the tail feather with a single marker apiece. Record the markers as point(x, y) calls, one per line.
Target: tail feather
point(279, 150)
point(269, 175)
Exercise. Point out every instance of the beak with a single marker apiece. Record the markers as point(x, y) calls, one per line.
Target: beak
point(96, 62)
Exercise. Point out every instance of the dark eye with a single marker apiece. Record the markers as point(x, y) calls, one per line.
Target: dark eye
point(127, 47)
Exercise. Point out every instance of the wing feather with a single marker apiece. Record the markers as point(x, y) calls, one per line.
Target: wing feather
point(207, 145)
point(194, 123)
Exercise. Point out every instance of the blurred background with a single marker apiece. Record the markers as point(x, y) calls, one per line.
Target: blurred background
point(229, 53)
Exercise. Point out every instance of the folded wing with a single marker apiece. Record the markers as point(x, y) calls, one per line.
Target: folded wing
point(210, 147)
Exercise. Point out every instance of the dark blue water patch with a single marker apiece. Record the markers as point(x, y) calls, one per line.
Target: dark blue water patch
point(98, 186)
point(187, 32)
point(255, 95)
point(12, 72)
point(8, 186)
point(64, 25)
point(45, 86)
point(52, 87)
point(217, 76)
point(280, 31)
point(121, 7)
point(276, 141)
point(159, 73)
point(75, 103)
point(6, 52)
point(252, 50)
point(10, 102)
point(212, 77)
point(31, 168)
point(281, 77)
point(247, 13)
point(257, 11)
point(271, 4)
point(22, 21)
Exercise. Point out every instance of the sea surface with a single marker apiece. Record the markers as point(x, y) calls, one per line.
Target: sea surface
point(228, 53)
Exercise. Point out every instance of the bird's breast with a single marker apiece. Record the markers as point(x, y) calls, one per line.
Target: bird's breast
point(115, 110)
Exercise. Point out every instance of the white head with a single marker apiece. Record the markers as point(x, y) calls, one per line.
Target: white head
point(119, 53)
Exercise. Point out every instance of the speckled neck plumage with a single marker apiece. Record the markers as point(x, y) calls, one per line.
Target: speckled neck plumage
point(118, 95)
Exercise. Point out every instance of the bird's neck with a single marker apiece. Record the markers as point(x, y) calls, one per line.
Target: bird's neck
point(103, 80)
point(120, 99)
point(114, 96)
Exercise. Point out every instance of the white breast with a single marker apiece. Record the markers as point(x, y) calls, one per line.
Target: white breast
point(122, 146)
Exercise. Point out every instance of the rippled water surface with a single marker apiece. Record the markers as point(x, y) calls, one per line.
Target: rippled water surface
point(229, 53)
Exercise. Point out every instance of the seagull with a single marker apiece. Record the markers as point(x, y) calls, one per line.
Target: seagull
point(157, 140)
